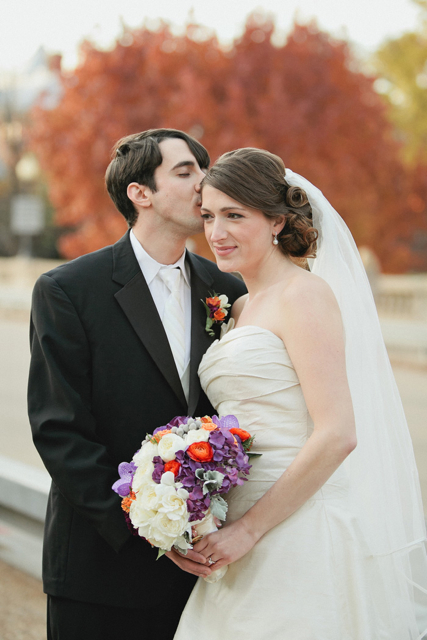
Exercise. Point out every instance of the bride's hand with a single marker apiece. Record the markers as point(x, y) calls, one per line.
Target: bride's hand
point(227, 545)
point(191, 563)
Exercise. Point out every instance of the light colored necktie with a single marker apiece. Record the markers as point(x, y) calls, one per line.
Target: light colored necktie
point(173, 316)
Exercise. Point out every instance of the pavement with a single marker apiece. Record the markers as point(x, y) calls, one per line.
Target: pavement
point(22, 606)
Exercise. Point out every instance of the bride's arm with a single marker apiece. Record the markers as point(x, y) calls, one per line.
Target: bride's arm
point(312, 330)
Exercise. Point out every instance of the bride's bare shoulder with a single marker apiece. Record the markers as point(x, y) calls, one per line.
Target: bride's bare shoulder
point(238, 305)
point(309, 291)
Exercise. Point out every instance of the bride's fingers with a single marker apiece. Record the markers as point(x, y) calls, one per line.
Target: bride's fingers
point(201, 546)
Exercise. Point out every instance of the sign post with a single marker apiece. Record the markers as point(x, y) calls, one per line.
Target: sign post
point(27, 220)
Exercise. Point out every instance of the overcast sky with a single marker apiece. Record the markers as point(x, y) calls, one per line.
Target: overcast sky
point(59, 25)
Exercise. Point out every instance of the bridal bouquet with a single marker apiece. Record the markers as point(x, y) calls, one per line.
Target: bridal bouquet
point(173, 488)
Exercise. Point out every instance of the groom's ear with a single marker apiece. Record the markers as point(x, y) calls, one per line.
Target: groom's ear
point(139, 194)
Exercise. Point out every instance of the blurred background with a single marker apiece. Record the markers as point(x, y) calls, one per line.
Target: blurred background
point(338, 90)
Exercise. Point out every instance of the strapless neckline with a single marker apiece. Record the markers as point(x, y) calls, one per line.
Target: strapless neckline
point(257, 328)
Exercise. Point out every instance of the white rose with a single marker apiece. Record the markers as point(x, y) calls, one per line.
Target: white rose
point(139, 515)
point(164, 531)
point(148, 497)
point(143, 474)
point(169, 445)
point(174, 503)
point(196, 435)
point(148, 450)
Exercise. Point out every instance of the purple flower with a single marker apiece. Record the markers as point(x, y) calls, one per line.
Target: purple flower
point(175, 422)
point(229, 422)
point(217, 438)
point(229, 438)
point(126, 472)
point(218, 456)
point(196, 494)
point(188, 482)
point(233, 474)
point(159, 467)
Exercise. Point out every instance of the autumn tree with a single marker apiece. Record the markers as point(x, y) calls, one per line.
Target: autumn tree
point(401, 64)
point(305, 100)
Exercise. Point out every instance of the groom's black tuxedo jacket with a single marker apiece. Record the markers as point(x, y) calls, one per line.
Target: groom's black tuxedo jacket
point(102, 375)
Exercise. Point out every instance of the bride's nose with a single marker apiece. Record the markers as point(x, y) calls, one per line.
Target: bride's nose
point(217, 229)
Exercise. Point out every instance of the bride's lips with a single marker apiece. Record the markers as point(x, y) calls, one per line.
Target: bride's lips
point(223, 251)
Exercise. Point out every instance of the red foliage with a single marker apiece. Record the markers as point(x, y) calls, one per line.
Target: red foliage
point(303, 101)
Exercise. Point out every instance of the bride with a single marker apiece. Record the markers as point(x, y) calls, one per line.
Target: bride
point(326, 539)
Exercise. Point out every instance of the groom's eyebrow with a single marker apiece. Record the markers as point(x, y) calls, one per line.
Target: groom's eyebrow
point(184, 163)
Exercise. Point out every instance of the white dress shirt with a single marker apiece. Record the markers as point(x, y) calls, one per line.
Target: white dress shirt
point(150, 270)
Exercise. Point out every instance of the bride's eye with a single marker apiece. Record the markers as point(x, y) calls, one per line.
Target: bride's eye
point(206, 216)
point(235, 216)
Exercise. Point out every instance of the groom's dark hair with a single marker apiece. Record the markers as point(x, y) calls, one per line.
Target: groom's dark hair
point(135, 159)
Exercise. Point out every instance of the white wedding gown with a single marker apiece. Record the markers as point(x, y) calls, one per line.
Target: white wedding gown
point(310, 577)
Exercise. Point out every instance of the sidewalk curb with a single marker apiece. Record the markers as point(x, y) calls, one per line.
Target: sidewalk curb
point(24, 488)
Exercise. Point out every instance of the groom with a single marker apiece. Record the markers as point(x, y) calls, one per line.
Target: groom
point(117, 337)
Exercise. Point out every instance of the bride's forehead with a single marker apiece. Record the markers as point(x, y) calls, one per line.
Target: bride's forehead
point(215, 197)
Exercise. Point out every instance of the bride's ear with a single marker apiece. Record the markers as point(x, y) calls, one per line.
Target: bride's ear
point(278, 225)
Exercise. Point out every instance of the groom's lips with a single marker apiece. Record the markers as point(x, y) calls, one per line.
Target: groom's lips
point(224, 251)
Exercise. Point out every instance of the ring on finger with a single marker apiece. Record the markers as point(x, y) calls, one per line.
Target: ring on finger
point(211, 561)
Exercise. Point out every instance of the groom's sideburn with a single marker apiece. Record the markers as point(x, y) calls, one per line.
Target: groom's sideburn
point(102, 375)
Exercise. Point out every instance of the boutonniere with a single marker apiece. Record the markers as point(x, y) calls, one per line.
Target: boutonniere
point(216, 310)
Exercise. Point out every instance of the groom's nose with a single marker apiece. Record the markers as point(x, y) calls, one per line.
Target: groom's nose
point(200, 175)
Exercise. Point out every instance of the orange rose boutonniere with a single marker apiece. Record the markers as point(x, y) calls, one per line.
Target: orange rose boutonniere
point(216, 309)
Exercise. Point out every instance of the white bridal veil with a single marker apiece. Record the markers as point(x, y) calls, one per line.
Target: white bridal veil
point(382, 470)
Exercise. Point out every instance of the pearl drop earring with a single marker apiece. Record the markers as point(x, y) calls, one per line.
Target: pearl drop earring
point(275, 240)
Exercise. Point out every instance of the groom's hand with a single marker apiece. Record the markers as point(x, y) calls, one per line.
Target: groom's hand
point(193, 562)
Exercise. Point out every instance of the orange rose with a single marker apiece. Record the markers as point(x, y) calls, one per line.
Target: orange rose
point(214, 302)
point(200, 451)
point(206, 419)
point(174, 466)
point(208, 426)
point(219, 315)
point(159, 435)
point(243, 435)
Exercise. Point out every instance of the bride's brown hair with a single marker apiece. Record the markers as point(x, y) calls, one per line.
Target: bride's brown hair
point(257, 179)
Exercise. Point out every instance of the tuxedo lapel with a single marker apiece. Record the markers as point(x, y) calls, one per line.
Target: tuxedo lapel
point(137, 303)
point(201, 284)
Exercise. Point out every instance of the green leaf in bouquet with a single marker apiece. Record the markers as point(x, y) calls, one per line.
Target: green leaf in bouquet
point(200, 474)
point(213, 481)
point(253, 455)
point(160, 553)
point(247, 444)
point(218, 507)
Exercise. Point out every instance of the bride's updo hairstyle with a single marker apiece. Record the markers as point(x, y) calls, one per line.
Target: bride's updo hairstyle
point(256, 178)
